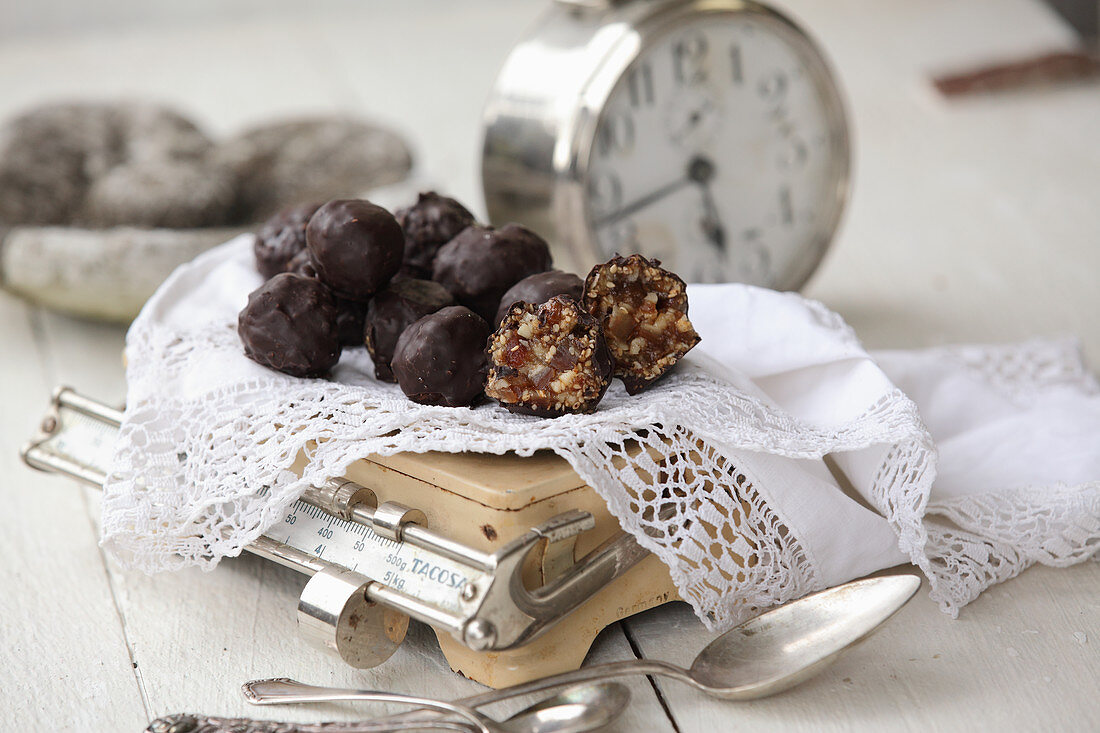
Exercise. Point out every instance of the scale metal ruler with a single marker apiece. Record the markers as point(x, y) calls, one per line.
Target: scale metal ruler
point(373, 562)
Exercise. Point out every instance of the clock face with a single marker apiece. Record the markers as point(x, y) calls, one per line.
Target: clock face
point(721, 151)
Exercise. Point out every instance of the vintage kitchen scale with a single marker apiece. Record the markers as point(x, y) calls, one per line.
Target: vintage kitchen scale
point(708, 133)
point(514, 562)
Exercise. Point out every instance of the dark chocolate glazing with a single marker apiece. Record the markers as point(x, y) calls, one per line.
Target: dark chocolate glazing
point(429, 224)
point(281, 238)
point(441, 360)
point(289, 325)
point(302, 264)
point(350, 317)
point(482, 263)
point(539, 288)
point(391, 311)
point(356, 247)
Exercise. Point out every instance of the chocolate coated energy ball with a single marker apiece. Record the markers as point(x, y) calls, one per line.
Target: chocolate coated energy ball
point(289, 325)
point(394, 309)
point(642, 309)
point(350, 317)
point(540, 288)
point(302, 264)
point(356, 247)
point(281, 239)
point(548, 360)
point(440, 359)
point(482, 263)
point(429, 224)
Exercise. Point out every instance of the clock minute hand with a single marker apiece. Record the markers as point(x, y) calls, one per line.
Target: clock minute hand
point(644, 201)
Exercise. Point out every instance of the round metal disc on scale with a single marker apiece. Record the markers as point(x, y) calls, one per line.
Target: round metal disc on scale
point(334, 612)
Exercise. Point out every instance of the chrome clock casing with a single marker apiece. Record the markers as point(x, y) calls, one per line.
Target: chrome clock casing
point(541, 118)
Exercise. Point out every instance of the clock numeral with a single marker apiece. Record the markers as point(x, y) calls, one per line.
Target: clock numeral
point(616, 134)
point(688, 58)
point(786, 206)
point(735, 65)
point(773, 87)
point(793, 154)
point(640, 85)
point(605, 193)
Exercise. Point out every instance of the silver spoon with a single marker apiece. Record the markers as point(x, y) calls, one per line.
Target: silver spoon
point(283, 689)
point(576, 710)
point(763, 656)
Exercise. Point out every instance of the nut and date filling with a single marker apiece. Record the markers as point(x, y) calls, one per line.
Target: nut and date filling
point(643, 311)
point(548, 360)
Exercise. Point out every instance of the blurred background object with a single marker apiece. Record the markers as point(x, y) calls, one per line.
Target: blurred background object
point(100, 201)
point(1083, 15)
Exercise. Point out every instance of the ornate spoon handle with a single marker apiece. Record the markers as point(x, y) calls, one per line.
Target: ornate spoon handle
point(190, 723)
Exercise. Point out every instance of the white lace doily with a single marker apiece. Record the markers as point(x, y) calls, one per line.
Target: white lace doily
point(736, 439)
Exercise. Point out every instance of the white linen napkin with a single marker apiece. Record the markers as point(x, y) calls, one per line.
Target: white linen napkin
point(791, 458)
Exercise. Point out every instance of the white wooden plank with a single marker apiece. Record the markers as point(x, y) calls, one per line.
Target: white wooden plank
point(1021, 657)
point(971, 220)
point(63, 657)
point(238, 623)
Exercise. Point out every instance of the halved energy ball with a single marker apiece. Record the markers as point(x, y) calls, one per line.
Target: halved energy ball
point(642, 309)
point(548, 360)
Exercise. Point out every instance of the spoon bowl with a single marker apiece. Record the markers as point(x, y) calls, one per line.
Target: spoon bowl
point(781, 648)
point(578, 709)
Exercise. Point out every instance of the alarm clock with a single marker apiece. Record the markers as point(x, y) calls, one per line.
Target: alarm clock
point(709, 134)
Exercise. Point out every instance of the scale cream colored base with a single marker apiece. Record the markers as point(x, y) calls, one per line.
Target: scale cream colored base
point(485, 501)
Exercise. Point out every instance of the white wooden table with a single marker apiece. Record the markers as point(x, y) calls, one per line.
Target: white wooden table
point(976, 220)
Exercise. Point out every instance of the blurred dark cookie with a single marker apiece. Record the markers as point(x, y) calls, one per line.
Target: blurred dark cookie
point(111, 164)
point(311, 160)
